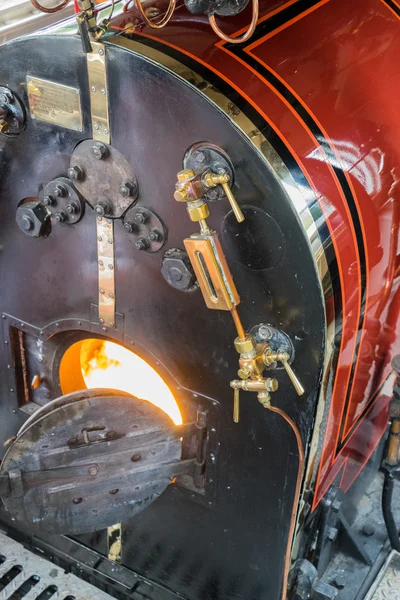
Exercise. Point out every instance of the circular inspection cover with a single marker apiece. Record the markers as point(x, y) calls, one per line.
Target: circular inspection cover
point(89, 460)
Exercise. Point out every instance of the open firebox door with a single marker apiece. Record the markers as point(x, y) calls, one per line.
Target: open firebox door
point(95, 457)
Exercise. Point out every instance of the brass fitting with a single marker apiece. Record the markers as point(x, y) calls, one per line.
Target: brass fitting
point(4, 126)
point(185, 175)
point(198, 211)
point(181, 195)
point(246, 345)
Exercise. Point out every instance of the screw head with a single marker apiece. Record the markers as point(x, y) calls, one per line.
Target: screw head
point(99, 150)
point(368, 529)
point(141, 243)
point(75, 173)
point(200, 156)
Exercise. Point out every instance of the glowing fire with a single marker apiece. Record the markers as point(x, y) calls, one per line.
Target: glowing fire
point(108, 365)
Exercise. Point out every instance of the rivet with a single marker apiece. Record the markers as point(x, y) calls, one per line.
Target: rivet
point(104, 328)
point(101, 291)
point(11, 390)
point(93, 88)
point(3, 316)
point(79, 323)
point(111, 295)
point(110, 267)
point(99, 238)
point(100, 263)
point(101, 52)
point(103, 92)
point(93, 470)
point(136, 457)
point(105, 130)
point(111, 324)
point(102, 321)
point(109, 221)
point(99, 218)
point(96, 126)
point(110, 241)
point(42, 333)
point(57, 324)
point(6, 343)
point(77, 500)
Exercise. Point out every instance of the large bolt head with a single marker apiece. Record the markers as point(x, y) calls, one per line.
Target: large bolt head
point(177, 270)
point(33, 219)
point(102, 209)
point(75, 173)
point(128, 189)
point(99, 150)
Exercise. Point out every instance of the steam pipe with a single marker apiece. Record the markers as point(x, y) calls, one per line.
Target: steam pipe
point(387, 496)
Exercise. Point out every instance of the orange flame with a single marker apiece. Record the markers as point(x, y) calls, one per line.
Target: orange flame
point(108, 365)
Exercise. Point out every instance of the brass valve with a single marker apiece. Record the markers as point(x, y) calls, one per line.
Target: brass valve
point(253, 360)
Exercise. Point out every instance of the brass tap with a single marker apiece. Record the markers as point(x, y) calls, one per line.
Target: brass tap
point(213, 179)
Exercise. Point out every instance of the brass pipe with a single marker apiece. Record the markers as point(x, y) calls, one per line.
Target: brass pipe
point(238, 323)
point(394, 443)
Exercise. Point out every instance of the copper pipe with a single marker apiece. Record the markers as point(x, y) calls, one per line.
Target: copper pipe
point(238, 323)
point(246, 35)
point(163, 21)
point(296, 495)
point(55, 9)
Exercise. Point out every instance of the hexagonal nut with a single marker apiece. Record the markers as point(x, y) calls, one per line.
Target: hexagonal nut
point(177, 270)
point(33, 219)
point(100, 150)
point(128, 189)
point(75, 173)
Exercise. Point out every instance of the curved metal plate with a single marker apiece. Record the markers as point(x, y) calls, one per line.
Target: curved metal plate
point(102, 178)
point(88, 460)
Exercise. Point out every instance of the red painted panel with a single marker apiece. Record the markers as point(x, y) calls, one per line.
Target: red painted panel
point(338, 61)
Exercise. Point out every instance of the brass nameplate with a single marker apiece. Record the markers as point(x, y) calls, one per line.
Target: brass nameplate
point(55, 103)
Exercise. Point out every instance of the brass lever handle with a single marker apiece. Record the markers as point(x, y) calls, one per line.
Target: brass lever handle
point(292, 376)
point(283, 357)
point(236, 393)
point(213, 179)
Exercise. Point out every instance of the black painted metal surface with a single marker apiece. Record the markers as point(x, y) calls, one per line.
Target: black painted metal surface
point(232, 543)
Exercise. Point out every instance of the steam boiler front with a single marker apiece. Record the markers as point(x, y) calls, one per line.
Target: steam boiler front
point(102, 251)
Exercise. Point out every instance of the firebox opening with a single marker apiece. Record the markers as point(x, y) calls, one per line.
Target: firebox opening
point(95, 363)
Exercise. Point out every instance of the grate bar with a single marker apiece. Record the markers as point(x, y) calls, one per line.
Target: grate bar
point(53, 583)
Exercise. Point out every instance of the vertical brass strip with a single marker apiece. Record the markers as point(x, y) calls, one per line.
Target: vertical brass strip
point(105, 267)
point(97, 74)
point(114, 543)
